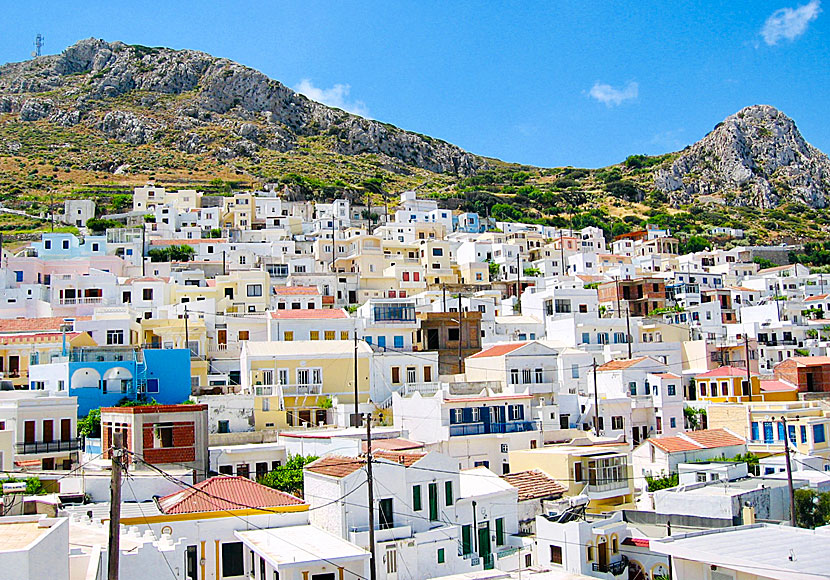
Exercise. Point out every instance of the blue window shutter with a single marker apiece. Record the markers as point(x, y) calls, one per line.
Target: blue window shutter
point(467, 415)
point(780, 431)
point(755, 430)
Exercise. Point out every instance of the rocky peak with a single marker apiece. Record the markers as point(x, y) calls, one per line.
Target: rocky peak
point(755, 157)
point(88, 84)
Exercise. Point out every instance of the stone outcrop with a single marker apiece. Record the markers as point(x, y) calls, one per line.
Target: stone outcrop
point(755, 157)
point(91, 81)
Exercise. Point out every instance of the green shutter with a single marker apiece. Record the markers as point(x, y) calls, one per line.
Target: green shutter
point(433, 502)
point(440, 555)
point(448, 492)
point(416, 498)
point(466, 539)
point(500, 531)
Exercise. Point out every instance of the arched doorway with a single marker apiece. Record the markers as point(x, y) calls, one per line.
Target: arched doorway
point(635, 571)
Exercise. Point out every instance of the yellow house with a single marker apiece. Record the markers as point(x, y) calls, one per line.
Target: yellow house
point(727, 385)
point(25, 341)
point(763, 425)
point(601, 471)
point(295, 384)
point(238, 212)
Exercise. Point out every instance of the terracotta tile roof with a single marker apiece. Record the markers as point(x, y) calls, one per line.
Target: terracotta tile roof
point(393, 444)
point(499, 350)
point(335, 466)
point(405, 458)
point(225, 493)
point(777, 387)
point(811, 360)
point(695, 440)
point(722, 372)
point(295, 290)
point(310, 314)
point(51, 323)
point(668, 376)
point(742, 289)
point(812, 298)
point(534, 484)
point(616, 365)
point(640, 542)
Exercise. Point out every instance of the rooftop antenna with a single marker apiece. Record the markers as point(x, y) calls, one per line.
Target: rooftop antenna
point(38, 45)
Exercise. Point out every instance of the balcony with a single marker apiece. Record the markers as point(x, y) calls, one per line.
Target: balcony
point(36, 447)
point(426, 389)
point(615, 568)
point(641, 401)
point(486, 428)
point(287, 390)
point(82, 300)
point(607, 489)
point(397, 531)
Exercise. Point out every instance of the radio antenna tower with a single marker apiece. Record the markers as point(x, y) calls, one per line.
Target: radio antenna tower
point(38, 45)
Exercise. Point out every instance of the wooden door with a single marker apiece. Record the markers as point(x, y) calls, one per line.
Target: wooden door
point(29, 432)
point(48, 430)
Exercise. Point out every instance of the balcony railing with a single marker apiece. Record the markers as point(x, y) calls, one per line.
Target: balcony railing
point(606, 486)
point(47, 446)
point(485, 428)
point(81, 300)
point(615, 568)
point(269, 390)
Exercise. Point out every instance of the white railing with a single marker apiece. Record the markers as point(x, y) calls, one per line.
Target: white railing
point(423, 388)
point(82, 300)
point(270, 390)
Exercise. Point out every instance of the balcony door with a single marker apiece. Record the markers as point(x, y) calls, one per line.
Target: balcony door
point(29, 432)
point(602, 556)
point(66, 429)
point(48, 430)
point(387, 516)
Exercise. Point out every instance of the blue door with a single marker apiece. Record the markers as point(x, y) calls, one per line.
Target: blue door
point(768, 432)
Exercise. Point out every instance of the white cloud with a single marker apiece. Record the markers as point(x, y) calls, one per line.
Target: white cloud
point(789, 23)
point(611, 96)
point(336, 96)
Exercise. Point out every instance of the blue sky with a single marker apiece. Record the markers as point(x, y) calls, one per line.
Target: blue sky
point(581, 83)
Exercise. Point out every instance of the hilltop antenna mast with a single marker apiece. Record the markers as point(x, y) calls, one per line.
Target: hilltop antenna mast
point(38, 45)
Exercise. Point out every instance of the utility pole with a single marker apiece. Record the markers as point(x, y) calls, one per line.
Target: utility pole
point(789, 470)
point(115, 506)
point(143, 246)
point(370, 481)
point(748, 374)
point(777, 303)
point(518, 275)
point(617, 293)
point(186, 333)
point(223, 263)
point(460, 329)
point(628, 330)
point(356, 419)
point(332, 241)
point(561, 252)
point(444, 291)
point(596, 400)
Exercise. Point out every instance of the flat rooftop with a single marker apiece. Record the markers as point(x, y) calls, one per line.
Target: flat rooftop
point(298, 545)
point(20, 535)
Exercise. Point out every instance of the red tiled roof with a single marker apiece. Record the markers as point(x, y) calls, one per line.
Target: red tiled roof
point(335, 466)
point(695, 440)
point(819, 297)
point(52, 323)
point(640, 542)
point(668, 376)
point(311, 314)
point(11, 338)
point(742, 289)
point(534, 484)
point(405, 458)
point(616, 365)
point(811, 360)
point(719, 372)
point(777, 386)
point(225, 493)
point(499, 350)
point(294, 290)
point(393, 444)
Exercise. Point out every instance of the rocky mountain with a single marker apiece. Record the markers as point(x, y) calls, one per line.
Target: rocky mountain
point(200, 104)
point(756, 157)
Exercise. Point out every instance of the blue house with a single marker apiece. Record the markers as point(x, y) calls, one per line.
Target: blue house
point(102, 377)
point(62, 246)
point(469, 223)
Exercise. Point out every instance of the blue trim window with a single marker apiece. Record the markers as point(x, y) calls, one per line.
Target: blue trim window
point(804, 433)
point(18, 275)
point(382, 341)
point(818, 434)
point(780, 431)
point(791, 431)
point(755, 430)
point(398, 341)
point(152, 385)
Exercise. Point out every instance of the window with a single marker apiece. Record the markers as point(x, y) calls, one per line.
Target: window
point(803, 429)
point(515, 412)
point(448, 492)
point(398, 341)
point(453, 334)
point(440, 555)
point(147, 294)
point(562, 306)
point(243, 335)
point(672, 390)
point(586, 338)
point(329, 335)
point(232, 562)
point(539, 376)
point(344, 335)
point(47, 245)
point(254, 289)
point(673, 422)
point(224, 427)
point(499, 531)
point(578, 471)
point(818, 433)
point(632, 388)
point(466, 539)
point(590, 553)
point(574, 371)
point(288, 335)
point(437, 251)
point(18, 275)
point(514, 376)
point(266, 404)
point(396, 375)
point(163, 435)
point(115, 337)
point(314, 335)
point(504, 448)
point(65, 244)
point(525, 376)
point(556, 554)
point(616, 422)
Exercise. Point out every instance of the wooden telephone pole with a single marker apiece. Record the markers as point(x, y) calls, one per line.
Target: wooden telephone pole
point(115, 506)
point(371, 491)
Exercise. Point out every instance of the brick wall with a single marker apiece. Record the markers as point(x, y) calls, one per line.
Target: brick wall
point(183, 450)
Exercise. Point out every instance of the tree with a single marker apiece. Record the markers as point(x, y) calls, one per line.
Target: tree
point(532, 272)
point(288, 477)
point(812, 508)
point(662, 481)
point(693, 417)
point(171, 254)
point(495, 269)
point(99, 226)
point(90, 426)
point(694, 244)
